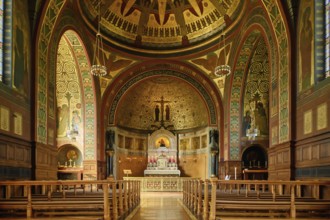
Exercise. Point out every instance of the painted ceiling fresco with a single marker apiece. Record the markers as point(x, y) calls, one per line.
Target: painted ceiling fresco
point(160, 24)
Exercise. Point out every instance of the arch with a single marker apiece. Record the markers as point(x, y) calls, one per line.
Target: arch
point(69, 153)
point(282, 36)
point(254, 157)
point(88, 84)
point(202, 83)
point(256, 27)
point(46, 29)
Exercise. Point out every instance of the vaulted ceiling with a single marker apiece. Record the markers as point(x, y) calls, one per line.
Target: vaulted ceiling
point(143, 26)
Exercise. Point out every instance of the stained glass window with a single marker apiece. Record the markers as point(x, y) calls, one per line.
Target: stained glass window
point(327, 38)
point(1, 39)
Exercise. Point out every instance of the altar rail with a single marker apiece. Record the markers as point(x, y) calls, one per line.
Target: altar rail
point(212, 199)
point(159, 184)
point(103, 198)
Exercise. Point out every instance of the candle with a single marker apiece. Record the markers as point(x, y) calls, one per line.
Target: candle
point(235, 173)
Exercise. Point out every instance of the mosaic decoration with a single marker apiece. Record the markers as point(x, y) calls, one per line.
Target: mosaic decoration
point(256, 95)
point(162, 24)
point(88, 112)
point(236, 93)
point(284, 79)
point(182, 108)
point(83, 109)
point(47, 24)
point(235, 118)
point(208, 100)
point(68, 93)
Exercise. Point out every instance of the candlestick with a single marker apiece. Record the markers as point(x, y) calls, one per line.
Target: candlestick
point(235, 173)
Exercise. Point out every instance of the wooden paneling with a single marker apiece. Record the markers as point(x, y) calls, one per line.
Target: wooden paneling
point(313, 152)
point(15, 155)
point(46, 162)
point(279, 158)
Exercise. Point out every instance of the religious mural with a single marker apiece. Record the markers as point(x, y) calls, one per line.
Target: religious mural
point(162, 102)
point(21, 48)
point(162, 142)
point(306, 48)
point(68, 93)
point(256, 96)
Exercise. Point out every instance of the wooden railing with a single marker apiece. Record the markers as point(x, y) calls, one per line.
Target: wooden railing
point(211, 199)
point(110, 199)
point(159, 184)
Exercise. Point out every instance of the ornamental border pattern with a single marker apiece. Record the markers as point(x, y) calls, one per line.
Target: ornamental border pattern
point(284, 79)
point(48, 23)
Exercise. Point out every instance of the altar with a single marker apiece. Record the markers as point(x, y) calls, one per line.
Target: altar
point(162, 155)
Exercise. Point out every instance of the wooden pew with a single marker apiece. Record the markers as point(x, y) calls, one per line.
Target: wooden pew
point(109, 199)
point(255, 198)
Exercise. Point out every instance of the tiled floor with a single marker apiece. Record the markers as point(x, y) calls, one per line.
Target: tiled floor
point(161, 206)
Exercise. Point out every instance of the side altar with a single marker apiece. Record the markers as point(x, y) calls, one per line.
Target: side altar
point(162, 154)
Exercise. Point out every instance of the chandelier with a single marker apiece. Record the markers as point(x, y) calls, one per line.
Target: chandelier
point(98, 66)
point(223, 69)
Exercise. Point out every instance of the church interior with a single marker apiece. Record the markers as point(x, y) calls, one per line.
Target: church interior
point(129, 90)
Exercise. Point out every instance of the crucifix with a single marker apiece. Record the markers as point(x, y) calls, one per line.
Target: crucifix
point(161, 102)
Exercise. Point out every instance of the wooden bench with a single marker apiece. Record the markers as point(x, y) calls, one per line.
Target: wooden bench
point(211, 199)
point(60, 198)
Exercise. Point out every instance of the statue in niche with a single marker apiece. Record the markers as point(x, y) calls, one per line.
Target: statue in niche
point(161, 143)
point(167, 113)
point(214, 136)
point(109, 139)
point(157, 113)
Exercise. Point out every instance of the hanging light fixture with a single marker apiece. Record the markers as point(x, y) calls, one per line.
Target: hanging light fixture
point(223, 69)
point(98, 66)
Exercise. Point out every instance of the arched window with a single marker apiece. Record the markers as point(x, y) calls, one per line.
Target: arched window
point(6, 22)
point(327, 38)
point(1, 39)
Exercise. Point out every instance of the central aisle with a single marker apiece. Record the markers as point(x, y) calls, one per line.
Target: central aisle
point(161, 206)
